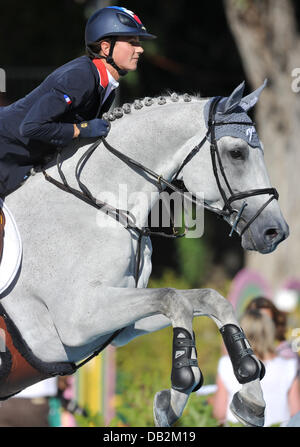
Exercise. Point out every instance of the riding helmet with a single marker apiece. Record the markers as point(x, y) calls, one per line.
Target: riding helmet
point(114, 21)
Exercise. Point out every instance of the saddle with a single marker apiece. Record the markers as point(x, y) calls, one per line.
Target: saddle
point(2, 225)
point(10, 248)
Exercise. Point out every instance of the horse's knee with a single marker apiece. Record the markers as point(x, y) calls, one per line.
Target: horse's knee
point(214, 304)
point(224, 306)
point(176, 306)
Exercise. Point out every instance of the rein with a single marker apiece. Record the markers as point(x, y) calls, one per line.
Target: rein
point(123, 216)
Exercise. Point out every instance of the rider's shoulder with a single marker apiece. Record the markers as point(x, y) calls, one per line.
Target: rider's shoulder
point(77, 71)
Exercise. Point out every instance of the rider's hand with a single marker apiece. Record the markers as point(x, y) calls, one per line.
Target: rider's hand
point(94, 128)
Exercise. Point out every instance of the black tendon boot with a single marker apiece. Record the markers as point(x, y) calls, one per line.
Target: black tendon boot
point(182, 376)
point(246, 367)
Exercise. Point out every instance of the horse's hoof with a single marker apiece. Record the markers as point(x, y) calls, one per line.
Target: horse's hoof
point(248, 413)
point(163, 414)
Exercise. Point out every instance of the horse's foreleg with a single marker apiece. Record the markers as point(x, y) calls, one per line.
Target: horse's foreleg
point(169, 404)
point(107, 309)
point(186, 375)
point(247, 404)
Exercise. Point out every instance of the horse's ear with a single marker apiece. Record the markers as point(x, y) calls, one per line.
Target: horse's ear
point(250, 100)
point(234, 99)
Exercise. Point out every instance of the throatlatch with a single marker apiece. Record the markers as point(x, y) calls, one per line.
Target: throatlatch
point(182, 376)
point(246, 367)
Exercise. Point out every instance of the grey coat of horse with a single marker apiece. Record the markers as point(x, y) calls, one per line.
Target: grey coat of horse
point(77, 282)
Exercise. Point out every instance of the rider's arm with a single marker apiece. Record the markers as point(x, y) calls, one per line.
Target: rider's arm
point(43, 121)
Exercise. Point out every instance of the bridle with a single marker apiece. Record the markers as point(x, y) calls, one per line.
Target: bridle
point(128, 220)
point(228, 210)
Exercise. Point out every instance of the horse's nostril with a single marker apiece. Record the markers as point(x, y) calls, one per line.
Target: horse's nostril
point(271, 234)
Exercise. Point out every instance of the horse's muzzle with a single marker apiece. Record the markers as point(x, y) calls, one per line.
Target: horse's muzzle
point(265, 240)
point(274, 235)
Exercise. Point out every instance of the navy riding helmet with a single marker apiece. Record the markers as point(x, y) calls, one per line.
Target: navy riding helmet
point(114, 21)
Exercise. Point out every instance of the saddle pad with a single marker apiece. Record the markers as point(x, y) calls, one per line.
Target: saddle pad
point(12, 250)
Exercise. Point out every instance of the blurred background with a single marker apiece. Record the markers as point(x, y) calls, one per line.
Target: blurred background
point(206, 49)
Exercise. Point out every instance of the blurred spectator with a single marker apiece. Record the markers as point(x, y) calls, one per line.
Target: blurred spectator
point(280, 385)
point(31, 407)
point(69, 405)
point(283, 346)
point(279, 318)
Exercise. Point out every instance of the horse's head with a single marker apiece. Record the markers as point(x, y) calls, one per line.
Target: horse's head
point(236, 183)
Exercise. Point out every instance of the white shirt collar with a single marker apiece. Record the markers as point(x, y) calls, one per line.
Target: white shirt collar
point(112, 82)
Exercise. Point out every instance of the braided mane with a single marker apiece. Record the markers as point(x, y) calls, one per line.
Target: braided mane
point(138, 104)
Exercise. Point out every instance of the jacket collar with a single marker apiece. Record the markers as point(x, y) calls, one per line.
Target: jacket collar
point(102, 72)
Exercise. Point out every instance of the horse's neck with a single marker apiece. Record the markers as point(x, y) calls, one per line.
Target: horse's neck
point(159, 137)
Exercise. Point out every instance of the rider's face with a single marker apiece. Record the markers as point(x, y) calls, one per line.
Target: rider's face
point(127, 52)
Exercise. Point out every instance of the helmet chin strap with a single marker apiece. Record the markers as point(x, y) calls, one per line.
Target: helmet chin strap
point(109, 58)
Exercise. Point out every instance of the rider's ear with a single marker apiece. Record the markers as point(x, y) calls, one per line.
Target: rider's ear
point(234, 99)
point(104, 47)
point(250, 100)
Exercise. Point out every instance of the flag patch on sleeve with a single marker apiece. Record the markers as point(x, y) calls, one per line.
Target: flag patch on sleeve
point(67, 99)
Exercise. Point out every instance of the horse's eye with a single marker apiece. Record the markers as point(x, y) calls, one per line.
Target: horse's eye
point(236, 154)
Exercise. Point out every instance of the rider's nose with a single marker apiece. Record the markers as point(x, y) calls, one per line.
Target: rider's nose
point(139, 49)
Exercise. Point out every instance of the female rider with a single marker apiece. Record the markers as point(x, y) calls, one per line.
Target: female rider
point(69, 103)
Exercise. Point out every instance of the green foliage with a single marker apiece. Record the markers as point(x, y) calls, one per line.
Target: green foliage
point(198, 413)
point(194, 261)
point(241, 5)
point(169, 279)
point(143, 369)
point(89, 420)
point(132, 80)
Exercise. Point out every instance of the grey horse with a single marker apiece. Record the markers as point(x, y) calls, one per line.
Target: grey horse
point(79, 283)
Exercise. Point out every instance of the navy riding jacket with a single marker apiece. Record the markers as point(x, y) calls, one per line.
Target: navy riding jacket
point(32, 127)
